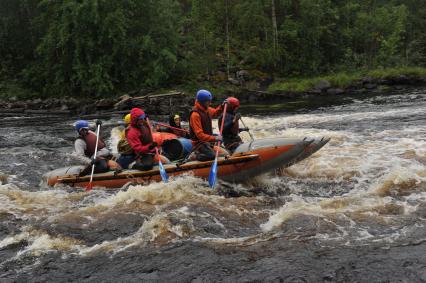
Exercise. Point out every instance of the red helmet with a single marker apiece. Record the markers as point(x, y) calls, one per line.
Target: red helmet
point(234, 103)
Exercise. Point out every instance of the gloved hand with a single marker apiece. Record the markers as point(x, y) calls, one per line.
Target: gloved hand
point(219, 138)
point(225, 102)
point(152, 145)
point(92, 161)
point(98, 122)
point(244, 129)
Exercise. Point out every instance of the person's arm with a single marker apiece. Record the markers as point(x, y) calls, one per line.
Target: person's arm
point(136, 144)
point(79, 149)
point(197, 127)
point(215, 112)
point(104, 152)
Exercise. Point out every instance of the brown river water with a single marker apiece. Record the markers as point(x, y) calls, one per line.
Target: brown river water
point(353, 212)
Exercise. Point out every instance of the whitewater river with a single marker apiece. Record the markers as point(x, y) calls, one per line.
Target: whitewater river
point(354, 211)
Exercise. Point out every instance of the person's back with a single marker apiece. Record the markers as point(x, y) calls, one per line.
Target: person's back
point(231, 128)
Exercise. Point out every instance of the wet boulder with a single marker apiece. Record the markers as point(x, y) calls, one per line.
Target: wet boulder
point(322, 85)
point(335, 91)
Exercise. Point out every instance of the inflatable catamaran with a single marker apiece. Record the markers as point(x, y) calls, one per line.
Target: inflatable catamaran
point(250, 159)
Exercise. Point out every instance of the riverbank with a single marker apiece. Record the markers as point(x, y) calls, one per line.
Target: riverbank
point(249, 91)
point(349, 82)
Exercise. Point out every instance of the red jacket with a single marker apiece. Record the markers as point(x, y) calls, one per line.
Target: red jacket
point(196, 125)
point(139, 138)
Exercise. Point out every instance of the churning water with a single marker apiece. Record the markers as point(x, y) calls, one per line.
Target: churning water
point(354, 211)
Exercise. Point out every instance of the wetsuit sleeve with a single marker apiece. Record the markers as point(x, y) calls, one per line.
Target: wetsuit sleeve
point(79, 148)
point(215, 112)
point(197, 127)
point(136, 144)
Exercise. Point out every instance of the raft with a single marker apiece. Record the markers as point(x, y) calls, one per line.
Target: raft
point(250, 159)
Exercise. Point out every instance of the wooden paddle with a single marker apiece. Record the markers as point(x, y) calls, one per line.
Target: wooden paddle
point(213, 170)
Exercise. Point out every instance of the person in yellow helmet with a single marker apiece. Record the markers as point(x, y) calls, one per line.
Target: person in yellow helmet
point(127, 120)
point(127, 155)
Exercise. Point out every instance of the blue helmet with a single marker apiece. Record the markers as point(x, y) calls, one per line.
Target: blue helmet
point(203, 96)
point(81, 124)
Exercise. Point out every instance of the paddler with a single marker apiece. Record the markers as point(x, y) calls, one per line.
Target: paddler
point(139, 136)
point(127, 156)
point(174, 126)
point(85, 145)
point(231, 128)
point(200, 126)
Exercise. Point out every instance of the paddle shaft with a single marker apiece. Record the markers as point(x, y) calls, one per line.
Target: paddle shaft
point(161, 168)
point(251, 136)
point(221, 128)
point(89, 186)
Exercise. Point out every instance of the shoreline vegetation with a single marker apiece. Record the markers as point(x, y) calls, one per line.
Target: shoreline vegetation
point(91, 50)
point(345, 80)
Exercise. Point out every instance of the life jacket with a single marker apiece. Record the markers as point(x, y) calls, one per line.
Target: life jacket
point(90, 140)
point(206, 122)
point(123, 146)
point(232, 131)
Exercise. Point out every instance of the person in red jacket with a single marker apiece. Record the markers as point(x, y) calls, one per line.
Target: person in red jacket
point(139, 137)
point(200, 126)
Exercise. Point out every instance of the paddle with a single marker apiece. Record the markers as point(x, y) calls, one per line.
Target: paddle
point(90, 185)
point(163, 172)
point(251, 136)
point(213, 170)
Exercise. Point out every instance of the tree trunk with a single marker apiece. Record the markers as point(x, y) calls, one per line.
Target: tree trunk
point(227, 38)
point(274, 29)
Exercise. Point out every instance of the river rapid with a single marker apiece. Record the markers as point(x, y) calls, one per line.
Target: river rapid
point(354, 211)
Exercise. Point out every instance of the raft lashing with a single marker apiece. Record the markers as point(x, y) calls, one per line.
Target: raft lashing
point(249, 159)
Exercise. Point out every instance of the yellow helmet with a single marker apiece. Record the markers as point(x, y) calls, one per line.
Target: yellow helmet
point(127, 119)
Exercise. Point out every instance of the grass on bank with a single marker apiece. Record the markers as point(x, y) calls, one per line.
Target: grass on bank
point(342, 80)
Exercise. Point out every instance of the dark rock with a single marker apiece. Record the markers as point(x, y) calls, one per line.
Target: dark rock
point(322, 85)
point(335, 91)
point(370, 86)
point(315, 91)
point(233, 81)
point(243, 75)
point(367, 80)
point(104, 103)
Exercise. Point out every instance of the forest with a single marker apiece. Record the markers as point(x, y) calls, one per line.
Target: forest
point(107, 47)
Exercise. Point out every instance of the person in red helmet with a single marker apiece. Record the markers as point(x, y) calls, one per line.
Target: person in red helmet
point(231, 127)
point(139, 137)
point(200, 126)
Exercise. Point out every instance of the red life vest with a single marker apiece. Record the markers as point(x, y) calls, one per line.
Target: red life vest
point(206, 123)
point(90, 140)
